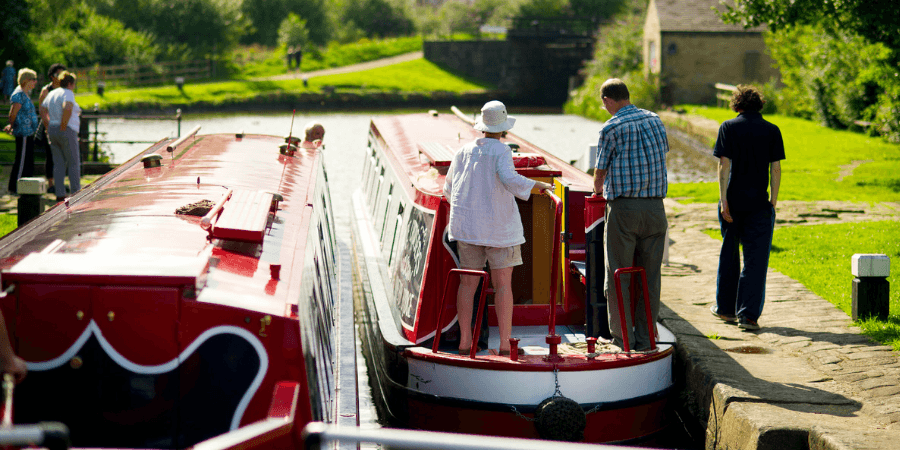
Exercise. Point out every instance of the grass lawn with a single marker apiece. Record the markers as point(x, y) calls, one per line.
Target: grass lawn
point(255, 61)
point(820, 164)
point(826, 164)
point(8, 222)
point(413, 76)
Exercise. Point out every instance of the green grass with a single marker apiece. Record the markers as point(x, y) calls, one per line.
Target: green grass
point(819, 256)
point(255, 61)
point(8, 222)
point(816, 159)
point(413, 76)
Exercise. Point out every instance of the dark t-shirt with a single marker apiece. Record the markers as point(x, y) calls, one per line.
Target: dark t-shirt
point(751, 143)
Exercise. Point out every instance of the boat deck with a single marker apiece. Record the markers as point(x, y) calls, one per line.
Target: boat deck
point(532, 340)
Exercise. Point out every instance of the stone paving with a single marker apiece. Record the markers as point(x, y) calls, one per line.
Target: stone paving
point(808, 378)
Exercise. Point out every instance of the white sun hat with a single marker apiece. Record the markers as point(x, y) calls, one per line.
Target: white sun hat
point(494, 118)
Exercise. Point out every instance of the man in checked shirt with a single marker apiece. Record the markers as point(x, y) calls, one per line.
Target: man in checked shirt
point(631, 174)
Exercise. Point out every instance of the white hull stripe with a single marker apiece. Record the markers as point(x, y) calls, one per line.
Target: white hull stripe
point(591, 227)
point(168, 366)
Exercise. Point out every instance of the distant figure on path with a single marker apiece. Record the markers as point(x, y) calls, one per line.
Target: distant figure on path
point(61, 113)
point(750, 151)
point(314, 132)
point(8, 80)
point(631, 174)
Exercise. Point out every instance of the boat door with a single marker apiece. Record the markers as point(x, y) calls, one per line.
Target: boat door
point(101, 360)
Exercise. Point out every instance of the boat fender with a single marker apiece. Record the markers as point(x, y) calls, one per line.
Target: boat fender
point(560, 419)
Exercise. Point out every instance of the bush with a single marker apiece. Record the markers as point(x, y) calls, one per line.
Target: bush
point(837, 78)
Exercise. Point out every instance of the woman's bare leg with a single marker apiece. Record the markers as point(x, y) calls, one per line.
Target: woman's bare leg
point(503, 303)
point(464, 300)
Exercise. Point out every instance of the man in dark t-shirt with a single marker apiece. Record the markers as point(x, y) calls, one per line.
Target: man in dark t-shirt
point(750, 151)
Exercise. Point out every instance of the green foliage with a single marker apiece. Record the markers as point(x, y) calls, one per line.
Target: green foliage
point(617, 54)
point(293, 32)
point(818, 164)
point(14, 25)
point(79, 37)
point(378, 18)
point(263, 13)
point(835, 78)
point(545, 9)
point(184, 29)
point(876, 20)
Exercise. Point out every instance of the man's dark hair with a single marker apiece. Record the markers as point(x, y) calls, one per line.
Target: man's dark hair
point(746, 98)
point(54, 68)
point(614, 89)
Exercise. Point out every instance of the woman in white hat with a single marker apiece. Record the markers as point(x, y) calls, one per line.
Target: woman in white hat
point(481, 186)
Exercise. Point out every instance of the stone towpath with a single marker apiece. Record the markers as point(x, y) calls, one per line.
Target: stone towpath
point(808, 378)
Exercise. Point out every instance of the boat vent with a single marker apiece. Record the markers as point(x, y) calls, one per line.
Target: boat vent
point(153, 160)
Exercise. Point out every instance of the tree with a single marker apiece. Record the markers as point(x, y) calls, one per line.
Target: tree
point(378, 18)
point(595, 10)
point(15, 22)
point(293, 32)
point(876, 20)
point(263, 13)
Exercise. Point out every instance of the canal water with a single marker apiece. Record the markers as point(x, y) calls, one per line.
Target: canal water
point(567, 137)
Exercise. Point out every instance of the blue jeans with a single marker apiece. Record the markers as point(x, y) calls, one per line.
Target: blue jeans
point(743, 292)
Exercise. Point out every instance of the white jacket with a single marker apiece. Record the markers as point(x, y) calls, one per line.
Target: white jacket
point(480, 186)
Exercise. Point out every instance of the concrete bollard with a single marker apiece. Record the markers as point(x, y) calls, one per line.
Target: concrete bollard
point(31, 198)
point(871, 289)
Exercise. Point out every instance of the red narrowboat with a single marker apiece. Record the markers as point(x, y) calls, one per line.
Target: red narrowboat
point(143, 327)
point(561, 384)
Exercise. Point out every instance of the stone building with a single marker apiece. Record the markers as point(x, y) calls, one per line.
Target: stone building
point(691, 49)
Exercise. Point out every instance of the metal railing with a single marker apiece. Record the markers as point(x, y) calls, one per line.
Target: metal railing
point(141, 74)
point(723, 94)
point(317, 435)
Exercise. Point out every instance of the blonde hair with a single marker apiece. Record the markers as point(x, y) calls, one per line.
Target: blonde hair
point(26, 75)
point(66, 78)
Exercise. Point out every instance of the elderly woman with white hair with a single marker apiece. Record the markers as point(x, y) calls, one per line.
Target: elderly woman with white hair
point(23, 122)
point(314, 132)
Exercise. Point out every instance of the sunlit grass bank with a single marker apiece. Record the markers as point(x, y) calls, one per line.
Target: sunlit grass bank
point(821, 164)
point(418, 76)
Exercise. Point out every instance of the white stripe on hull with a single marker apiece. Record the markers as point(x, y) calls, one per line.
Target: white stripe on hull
point(530, 388)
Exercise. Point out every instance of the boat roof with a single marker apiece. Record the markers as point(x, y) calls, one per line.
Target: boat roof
point(123, 229)
point(418, 144)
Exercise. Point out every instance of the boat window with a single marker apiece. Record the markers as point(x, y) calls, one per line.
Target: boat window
point(374, 200)
point(397, 227)
point(387, 207)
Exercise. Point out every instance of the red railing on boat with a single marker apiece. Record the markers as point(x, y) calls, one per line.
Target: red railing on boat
point(553, 340)
point(650, 325)
point(485, 279)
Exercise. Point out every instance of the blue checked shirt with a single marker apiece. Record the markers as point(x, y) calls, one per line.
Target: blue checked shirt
point(632, 149)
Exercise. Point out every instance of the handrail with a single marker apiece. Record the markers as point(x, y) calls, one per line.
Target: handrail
point(552, 338)
point(317, 434)
point(462, 115)
point(485, 279)
point(650, 325)
point(171, 147)
point(206, 221)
